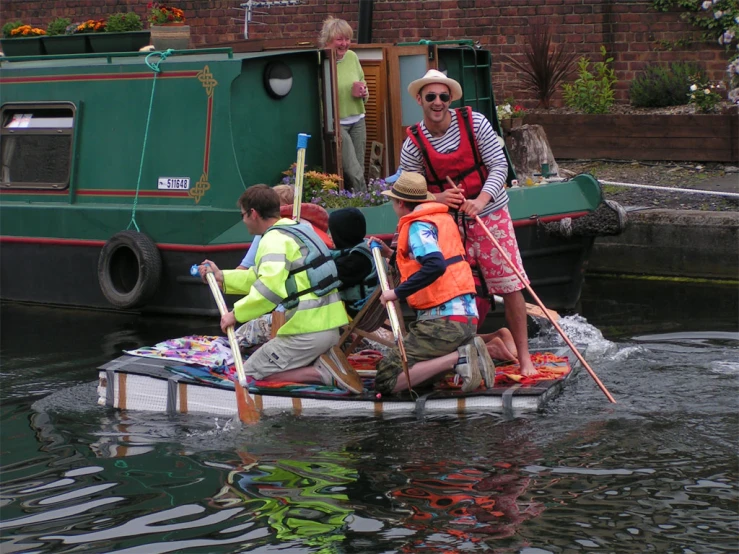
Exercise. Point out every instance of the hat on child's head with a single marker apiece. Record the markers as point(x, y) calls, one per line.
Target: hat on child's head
point(435, 76)
point(348, 227)
point(410, 187)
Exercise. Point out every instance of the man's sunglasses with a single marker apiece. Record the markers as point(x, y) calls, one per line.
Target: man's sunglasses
point(431, 96)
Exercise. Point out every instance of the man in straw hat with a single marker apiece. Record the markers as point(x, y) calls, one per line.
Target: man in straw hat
point(437, 282)
point(461, 144)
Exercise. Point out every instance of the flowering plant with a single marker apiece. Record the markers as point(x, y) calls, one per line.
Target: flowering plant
point(504, 111)
point(23, 31)
point(703, 95)
point(314, 182)
point(160, 14)
point(335, 198)
point(518, 111)
point(91, 26)
point(323, 189)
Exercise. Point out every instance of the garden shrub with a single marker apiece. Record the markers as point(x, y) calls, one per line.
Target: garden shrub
point(592, 93)
point(661, 86)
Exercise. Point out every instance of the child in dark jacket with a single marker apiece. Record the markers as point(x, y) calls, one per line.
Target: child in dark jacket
point(353, 258)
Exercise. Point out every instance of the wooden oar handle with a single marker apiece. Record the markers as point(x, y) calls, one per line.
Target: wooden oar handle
point(233, 342)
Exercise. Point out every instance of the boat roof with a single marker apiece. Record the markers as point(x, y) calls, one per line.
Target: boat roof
point(136, 58)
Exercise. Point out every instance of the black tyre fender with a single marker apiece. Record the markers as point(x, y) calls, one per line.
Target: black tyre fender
point(129, 269)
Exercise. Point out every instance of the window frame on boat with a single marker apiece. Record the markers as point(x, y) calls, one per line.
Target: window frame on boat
point(42, 119)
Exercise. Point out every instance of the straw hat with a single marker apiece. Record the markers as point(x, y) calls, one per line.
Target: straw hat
point(410, 187)
point(434, 76)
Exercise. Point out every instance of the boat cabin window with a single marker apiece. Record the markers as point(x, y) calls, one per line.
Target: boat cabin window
point(36, 145)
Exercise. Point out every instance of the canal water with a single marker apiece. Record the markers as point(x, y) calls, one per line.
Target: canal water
point(656, 472)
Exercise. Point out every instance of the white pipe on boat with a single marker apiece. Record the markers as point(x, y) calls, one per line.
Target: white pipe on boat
point(672, 189)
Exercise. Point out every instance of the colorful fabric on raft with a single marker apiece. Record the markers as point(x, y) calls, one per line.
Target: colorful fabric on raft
point(549, 367)
point(204, 350)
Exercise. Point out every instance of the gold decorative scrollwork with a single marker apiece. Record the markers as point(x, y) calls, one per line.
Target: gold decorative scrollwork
point(206, 78)
point(200, 188)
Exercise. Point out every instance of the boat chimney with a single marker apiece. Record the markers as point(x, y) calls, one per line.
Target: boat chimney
point(364, 27)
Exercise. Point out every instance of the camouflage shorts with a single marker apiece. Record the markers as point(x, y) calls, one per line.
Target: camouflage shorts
point(426, 340)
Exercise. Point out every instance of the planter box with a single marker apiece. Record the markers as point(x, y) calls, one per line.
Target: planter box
point(699, 138)
point(66, 44)
point(132, 41)
point(174, 36)
point(30, 46)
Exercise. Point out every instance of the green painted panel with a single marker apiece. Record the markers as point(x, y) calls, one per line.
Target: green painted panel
point(265, 130)
point(582, 193)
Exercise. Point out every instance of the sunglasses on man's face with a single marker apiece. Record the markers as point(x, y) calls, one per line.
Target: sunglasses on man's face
point(431, 96)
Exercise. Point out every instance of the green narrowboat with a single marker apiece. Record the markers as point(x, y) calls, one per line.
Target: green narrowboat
point(121, 170)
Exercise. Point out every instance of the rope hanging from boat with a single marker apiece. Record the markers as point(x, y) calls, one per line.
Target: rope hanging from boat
point(154, 66)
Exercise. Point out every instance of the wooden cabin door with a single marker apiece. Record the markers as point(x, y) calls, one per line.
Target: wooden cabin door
point(405, 64)
point(374, 66)
point(331, 130)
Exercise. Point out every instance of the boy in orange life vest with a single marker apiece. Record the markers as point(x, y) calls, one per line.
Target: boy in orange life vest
point(437, 282)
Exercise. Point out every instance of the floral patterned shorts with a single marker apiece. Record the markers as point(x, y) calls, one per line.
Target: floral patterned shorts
point(499, 277)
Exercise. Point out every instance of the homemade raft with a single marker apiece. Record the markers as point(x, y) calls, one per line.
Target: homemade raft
point(158, 384)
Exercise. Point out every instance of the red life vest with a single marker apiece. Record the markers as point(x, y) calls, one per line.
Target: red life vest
point(464, 165)
point(457, 279)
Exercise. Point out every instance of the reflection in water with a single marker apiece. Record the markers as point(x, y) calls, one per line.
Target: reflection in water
point(302, 501)
point(467, 503)
point(656, 471)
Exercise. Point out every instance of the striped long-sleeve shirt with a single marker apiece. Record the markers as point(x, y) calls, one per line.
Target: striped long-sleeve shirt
point(487, 141)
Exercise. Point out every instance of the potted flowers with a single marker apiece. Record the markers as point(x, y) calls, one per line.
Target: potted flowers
point(59, 39)
point(168, 28)
point(160, 14)
point(22, 40)
point(123, 33)
point(509, 115)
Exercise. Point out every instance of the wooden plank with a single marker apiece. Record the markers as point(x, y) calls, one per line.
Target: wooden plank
point(670, 154)
point(708, 138)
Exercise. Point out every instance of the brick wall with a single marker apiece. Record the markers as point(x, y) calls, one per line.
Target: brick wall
point(629, 29)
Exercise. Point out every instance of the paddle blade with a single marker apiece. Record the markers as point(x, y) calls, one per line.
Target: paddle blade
point(248, 412)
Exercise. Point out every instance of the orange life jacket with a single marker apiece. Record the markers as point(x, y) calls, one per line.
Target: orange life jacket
point(456, 279)
point(464, 165)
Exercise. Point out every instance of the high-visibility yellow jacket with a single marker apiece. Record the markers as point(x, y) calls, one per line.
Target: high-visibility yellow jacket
point(264, 287)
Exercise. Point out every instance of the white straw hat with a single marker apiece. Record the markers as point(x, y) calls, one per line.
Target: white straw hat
point(435, 76)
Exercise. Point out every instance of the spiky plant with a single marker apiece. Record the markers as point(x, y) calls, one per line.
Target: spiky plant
point(544, 65)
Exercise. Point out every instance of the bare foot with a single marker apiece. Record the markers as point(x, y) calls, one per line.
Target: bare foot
point(499, 351)
point(527, 368)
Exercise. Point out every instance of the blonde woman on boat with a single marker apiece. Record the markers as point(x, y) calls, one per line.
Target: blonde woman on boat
point(352, 95)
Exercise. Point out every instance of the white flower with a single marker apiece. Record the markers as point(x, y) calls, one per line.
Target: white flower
point(717, 14)
point(707, 4)
point(693, 87)
point(706, 91)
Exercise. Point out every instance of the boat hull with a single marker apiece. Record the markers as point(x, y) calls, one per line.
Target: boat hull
point(65, 272)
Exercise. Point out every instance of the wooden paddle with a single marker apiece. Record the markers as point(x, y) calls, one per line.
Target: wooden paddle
point(539, 302)
point(299, 171)
point(248, 412)
point(392, 313)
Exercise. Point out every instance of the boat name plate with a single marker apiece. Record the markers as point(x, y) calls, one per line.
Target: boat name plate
point(170, 183)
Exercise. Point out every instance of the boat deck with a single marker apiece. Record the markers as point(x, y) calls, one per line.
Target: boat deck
point(137, 383)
